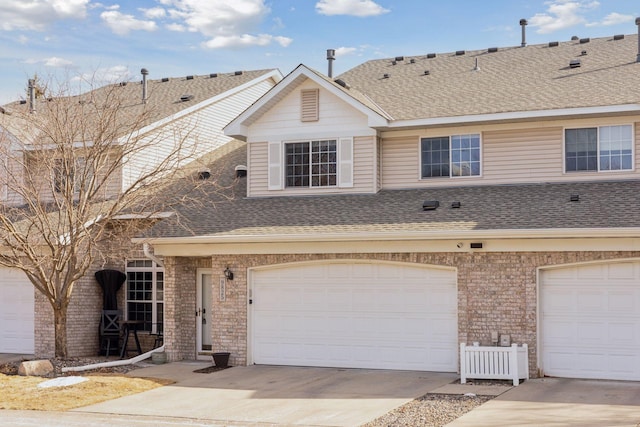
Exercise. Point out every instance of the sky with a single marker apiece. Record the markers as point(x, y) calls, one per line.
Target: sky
point(73, 43)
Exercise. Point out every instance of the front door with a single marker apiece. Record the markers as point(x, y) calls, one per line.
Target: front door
point(203, 314)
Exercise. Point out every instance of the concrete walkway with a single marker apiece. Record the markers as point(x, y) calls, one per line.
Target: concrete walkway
point(560, 402)
point(281, 395)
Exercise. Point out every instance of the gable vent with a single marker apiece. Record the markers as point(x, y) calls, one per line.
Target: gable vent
point(574, 63)
point(310, 105)
point(431, 55)
point(553, 44)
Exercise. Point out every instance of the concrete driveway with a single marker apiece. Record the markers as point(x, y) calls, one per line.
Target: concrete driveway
point(560, 402)
point(298, 396)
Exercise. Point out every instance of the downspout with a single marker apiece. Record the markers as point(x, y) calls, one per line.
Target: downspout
point(146, 249)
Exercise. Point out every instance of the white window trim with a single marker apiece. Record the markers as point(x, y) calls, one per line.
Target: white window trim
point(345, 161)
point(598, 127)
point(480, 175)
point(155, 269)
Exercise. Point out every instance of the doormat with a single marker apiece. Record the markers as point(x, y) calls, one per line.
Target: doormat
point(211, 369)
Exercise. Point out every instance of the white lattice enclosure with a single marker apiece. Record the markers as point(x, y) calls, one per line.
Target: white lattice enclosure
point(495, 363)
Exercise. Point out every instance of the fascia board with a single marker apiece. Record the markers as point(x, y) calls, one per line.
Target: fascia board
point(564, 233)
point(517, 115)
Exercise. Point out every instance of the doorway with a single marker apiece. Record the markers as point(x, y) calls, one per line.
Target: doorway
point(204, 306)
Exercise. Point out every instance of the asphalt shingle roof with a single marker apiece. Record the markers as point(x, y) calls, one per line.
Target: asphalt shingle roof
point(536, 77)
point(611, 204)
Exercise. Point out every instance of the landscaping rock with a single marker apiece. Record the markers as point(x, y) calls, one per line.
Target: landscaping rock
point(35, 368)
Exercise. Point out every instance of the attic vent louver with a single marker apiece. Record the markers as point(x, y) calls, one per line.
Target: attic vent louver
point(431, 55)
point(399, 58)
point(553, 44)
point(426, 72)
point(574, 63)
point(23, 101)
point(574, 198)
point(460, 52)
point(583, 53)
point(492, 50)
point(456, 205)
point(185, 98)
point(585, 40)
point(165, 79)
point(393, 62)
point(412, 61)
point(238, 73)
point(189, 77)
point(213, 75)
point(386, 75)
point(618, 37)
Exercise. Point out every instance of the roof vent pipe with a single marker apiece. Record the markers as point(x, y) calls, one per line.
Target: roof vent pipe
point(638, 24)
point(32, 95)
point(144, 73)
point(331, 56)
point(523, 24)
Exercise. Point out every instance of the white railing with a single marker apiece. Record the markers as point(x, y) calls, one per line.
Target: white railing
point(494, 363)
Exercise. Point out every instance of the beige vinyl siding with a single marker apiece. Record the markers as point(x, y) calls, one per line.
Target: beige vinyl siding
point(510, 154)
point(198, 133)
point(364, 149)
point(282, 122)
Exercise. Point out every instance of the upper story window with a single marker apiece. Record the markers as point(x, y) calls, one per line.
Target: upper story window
point(454, 156)
point(65, 173)
point(312, 163)
point(604, 148)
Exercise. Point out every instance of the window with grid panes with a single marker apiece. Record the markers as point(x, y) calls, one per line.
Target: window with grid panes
point(145, 294)
point(311, 164)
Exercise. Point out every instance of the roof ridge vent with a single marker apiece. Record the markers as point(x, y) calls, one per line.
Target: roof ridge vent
point(460, 52)
point(185, 98)
point(238, 73)
point(189, 77)
point(492, 50)
point(165, 79)
point(618, 37)
point(574, 38)
point(585, 40)
point(399, 58)
point(213, 75)
point(412, 61)
point(431, 55)
point(574, 63)
point(553, 44)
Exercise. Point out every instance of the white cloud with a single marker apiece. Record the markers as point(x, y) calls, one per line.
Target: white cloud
point(37, 15)
point(56, 62)
point(176, 27)
point(343, 51)
point(562, 14)
point(101, 76)
point(350, 7)
point(154, 13)
point(613, 18)
point(122, 24)
point(246, 40)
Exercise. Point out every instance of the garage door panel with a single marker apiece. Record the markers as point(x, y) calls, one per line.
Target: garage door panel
point(17, 318)
point(590, 321)
point(357, 315)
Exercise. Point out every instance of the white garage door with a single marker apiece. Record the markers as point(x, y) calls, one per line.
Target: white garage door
point(16, 312)
point(590, 320)
point(355, 315)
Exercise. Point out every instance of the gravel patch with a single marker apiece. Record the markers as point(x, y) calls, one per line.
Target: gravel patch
point(430, 410)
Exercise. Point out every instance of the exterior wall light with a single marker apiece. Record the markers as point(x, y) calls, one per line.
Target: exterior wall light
point(228, 274)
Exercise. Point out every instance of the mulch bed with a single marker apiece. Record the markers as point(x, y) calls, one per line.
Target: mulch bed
point(211, 369)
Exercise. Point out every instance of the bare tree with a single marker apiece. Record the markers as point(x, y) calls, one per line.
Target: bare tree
point(73, 168)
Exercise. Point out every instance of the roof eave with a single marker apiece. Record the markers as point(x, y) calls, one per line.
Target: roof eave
point(547, 233)
point(624, 109)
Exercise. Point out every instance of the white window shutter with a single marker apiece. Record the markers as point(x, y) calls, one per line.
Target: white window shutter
point(275, 165)
point(345, 162)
